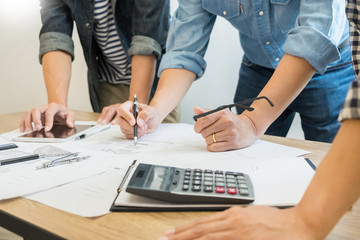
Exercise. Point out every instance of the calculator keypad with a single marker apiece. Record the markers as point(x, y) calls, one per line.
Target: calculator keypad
point(218, 182)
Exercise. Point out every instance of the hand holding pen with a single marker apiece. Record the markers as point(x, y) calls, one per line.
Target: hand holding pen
point(137, 123)
point(224, 130)
point(136, 110)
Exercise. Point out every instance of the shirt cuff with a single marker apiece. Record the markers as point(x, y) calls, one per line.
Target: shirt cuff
point(183, 60)
point(351, 108)
point(315, 47)
point(146, 46)
point(55, 41)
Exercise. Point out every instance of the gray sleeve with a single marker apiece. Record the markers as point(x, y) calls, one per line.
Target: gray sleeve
point(55, 41)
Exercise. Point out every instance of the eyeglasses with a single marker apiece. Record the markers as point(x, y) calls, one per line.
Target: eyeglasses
point(238, 104)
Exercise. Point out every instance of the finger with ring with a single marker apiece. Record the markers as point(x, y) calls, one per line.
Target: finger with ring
point(213, 137)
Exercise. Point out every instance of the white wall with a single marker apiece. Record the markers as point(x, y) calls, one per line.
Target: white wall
point(21, 82)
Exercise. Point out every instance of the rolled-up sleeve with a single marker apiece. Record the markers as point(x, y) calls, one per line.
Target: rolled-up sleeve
point(57, 27)
point(184, 60)
point(142, 45)
point(150, 27)
point(55, 41)
point(318, 31)
point(188, 38)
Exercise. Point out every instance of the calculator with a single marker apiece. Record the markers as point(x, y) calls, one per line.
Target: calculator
point(196, 186)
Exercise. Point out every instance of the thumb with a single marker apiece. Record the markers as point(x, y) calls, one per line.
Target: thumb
point(142, 118)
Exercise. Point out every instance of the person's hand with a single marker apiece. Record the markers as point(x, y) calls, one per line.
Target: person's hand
point(253, 222)
point(46, 115)
point(109, 114)
point(148, 119)
point(225, 130)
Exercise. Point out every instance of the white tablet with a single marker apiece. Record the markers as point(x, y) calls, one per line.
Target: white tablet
point(59, 133)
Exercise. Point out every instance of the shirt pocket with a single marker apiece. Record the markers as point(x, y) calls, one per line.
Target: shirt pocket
point(285, 13)
point(231, 10)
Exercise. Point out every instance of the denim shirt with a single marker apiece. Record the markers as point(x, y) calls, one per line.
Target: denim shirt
point(309, 29)
point(141, 24)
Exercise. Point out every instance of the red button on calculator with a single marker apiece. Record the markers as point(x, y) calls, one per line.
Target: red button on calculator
point(231, 190)
point(220, 189)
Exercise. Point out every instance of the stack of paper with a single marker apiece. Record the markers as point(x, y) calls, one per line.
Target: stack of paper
point(278, 175)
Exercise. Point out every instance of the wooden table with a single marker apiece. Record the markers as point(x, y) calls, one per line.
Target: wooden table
point(33, 220)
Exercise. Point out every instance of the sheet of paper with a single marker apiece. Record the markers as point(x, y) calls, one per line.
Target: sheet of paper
point(90, 197)
point(24, 178)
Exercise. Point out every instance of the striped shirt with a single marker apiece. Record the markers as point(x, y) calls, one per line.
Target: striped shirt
point(351, 108)
point(114, 66)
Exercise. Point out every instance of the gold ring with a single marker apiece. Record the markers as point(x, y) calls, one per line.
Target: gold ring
point(214, 139)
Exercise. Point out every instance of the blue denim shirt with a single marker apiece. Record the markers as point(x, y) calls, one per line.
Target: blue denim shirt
point(141, 24)
point(309, 29)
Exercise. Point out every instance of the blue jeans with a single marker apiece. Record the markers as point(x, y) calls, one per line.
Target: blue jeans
point(318, 104)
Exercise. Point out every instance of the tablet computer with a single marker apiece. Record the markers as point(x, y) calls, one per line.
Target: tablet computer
point(59, 133)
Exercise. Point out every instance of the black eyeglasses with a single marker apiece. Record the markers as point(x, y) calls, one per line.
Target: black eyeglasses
point(238, 104)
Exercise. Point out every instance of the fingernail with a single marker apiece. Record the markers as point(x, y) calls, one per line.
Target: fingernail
point(163, 238)
point(99, 120)
point(169, 232)
point(27, 129)
point(71, 124)
point(38, 126)
point(47, 128)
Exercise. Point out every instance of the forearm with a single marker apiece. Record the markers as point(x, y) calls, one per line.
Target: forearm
point(288, 80)
point(172, 87)
point(336, 184)
point(57, 73)
point(142, 77)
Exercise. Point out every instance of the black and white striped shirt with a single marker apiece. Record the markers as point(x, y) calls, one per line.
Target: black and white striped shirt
point(114, 66)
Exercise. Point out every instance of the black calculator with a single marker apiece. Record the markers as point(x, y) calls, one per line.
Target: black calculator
point(179, 185)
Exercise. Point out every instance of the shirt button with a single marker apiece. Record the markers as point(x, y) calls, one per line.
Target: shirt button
point(261, 13)
point(87, 24)
point(224, 13)
point(267, 43)
point(277, 59)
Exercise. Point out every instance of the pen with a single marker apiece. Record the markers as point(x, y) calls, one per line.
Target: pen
point(7, 146)
point(85, 135)
point(135, 109)
point(126, 176)
point(238, 104)
point(19, 159)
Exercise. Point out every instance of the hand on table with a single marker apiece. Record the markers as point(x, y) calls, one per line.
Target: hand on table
point(253, 222)
point(148, 119)
point(225, 130)
point(46, 115)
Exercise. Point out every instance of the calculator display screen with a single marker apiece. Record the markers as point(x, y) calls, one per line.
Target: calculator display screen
point(158, 178)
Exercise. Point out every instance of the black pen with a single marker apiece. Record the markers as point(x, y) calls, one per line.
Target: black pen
point(7, 146)
point(237, 104)
point(19, 159)
point(135, 109)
